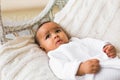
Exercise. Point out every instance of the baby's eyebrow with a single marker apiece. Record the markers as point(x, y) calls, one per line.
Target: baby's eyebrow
point(58, 27)
point(46, 33)
point(53, 29)
point(43, 34)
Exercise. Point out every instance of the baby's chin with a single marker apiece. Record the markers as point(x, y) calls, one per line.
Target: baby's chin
point(57, 45)
point(53, 48)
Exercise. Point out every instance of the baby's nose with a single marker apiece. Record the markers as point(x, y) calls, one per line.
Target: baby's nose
point(55, 35)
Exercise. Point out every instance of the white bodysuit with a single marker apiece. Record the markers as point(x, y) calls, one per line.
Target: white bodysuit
point(65, 60)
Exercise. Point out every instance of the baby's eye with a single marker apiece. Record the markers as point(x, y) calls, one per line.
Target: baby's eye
point(57, 31)
point(47, 36)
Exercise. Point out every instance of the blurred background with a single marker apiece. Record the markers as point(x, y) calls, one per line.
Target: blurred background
point(21, 10)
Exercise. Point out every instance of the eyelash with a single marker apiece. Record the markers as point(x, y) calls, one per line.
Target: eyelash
point(47, 36)
point(57, 31)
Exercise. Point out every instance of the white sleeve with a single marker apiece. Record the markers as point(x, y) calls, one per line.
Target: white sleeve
point(95, 44)
point(62, 67)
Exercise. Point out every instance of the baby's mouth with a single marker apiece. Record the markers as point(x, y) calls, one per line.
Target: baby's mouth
point(59, 42)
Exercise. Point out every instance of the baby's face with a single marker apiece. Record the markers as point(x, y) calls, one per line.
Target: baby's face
point(50, 36)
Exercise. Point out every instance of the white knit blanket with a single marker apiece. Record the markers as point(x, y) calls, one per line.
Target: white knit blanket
point(92, 18)
point(21, 59)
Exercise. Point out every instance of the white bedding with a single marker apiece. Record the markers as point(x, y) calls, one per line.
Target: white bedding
point(21, 59)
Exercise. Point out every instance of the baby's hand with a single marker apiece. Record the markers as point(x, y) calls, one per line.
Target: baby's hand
point(110, 50)
point(89, 67)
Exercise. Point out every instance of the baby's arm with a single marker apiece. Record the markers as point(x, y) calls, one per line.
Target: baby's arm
point(110, 50)
point(100, 45)
point(91, 66)
point(62, 67)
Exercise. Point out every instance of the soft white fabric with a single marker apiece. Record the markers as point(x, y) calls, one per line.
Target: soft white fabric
point(92, 18)
point(65, 60)
point(22, 59)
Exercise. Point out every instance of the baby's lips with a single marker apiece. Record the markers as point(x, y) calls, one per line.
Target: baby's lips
point(59, 42)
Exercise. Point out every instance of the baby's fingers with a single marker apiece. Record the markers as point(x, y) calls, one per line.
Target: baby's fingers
point(94, 60)
point(95, 69)
point(112, 55)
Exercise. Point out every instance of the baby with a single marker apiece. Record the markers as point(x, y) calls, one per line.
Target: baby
point(72, 58)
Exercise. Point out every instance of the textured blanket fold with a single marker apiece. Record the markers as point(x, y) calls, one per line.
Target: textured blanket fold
point(22, 59)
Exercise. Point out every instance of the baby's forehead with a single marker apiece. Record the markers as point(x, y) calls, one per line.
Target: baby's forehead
point(45, 28)
point(50, 26)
